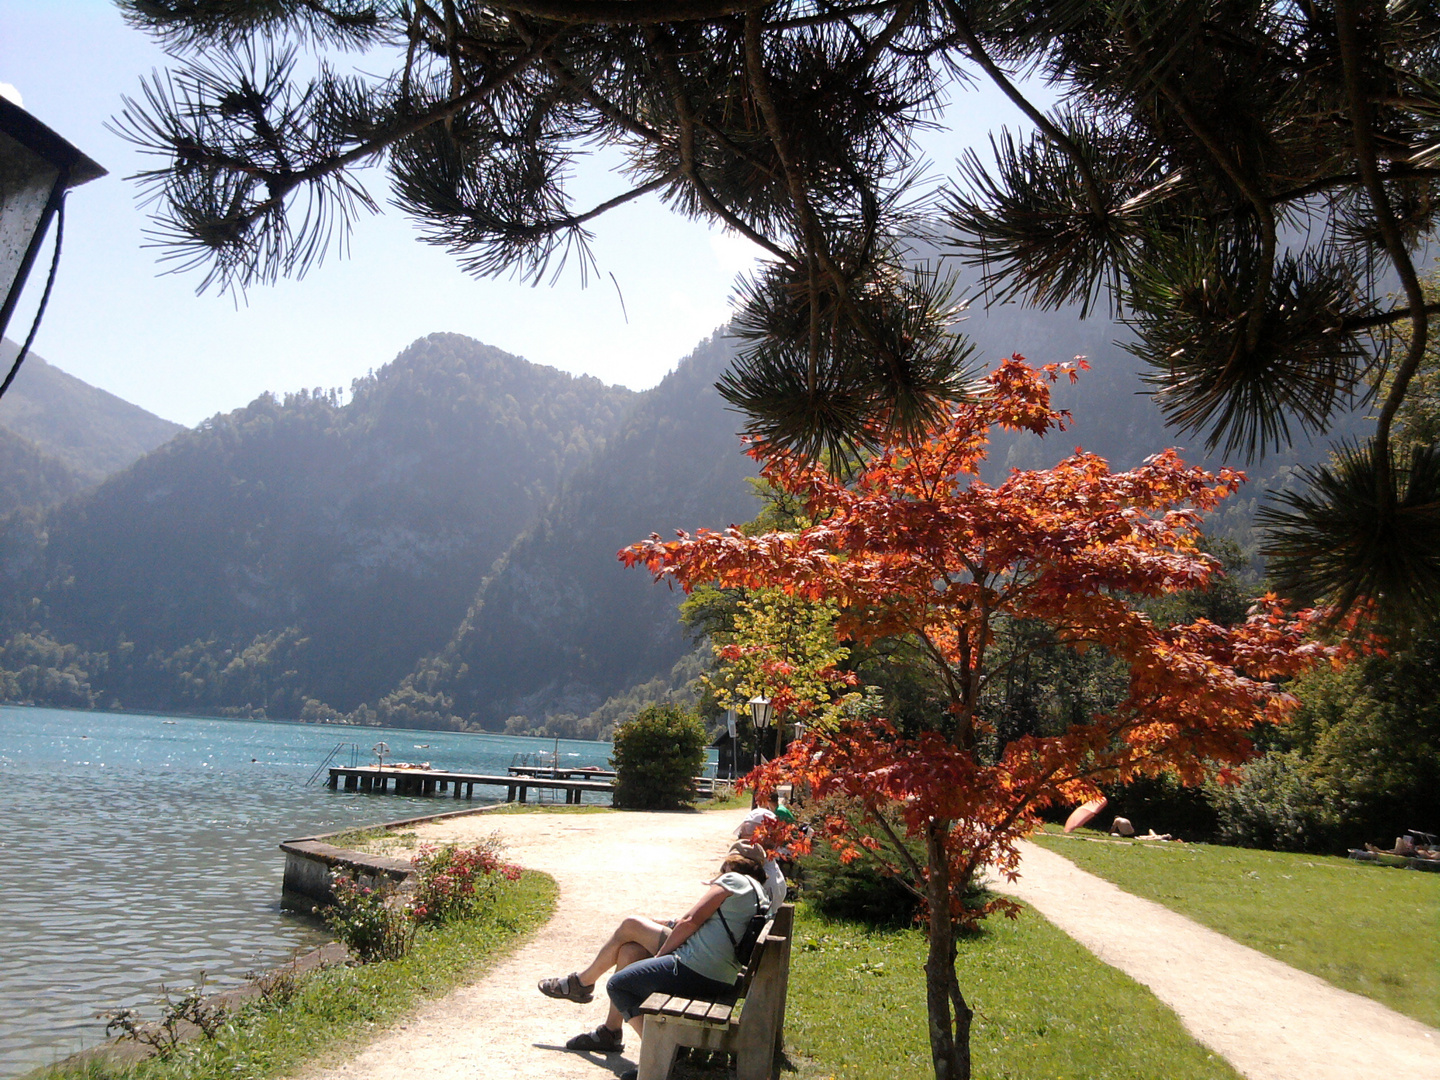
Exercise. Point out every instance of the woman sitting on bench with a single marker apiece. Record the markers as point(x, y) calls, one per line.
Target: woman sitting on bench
point(693, 959)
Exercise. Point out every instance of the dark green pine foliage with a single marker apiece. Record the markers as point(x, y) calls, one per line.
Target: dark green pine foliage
point(1250, 186)
point(30, 478)
point(560, 625)
point(306, 548)
point(790, 123)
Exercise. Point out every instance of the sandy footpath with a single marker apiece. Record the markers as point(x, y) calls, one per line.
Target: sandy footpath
point(1267, 1019)
point(501, 1028)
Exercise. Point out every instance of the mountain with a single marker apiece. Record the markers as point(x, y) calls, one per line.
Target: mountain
point(75, 435)
point(440, 549)
point(30, 478)
point(304, 548)
point(561, 625)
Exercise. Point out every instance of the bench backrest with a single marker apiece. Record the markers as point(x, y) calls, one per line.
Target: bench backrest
point(773, 941)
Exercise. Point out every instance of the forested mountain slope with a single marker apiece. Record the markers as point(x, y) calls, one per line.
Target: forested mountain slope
point(60, 435)
point(561, 625)
point(304, 548)
point(93, 432)
point(440, 550)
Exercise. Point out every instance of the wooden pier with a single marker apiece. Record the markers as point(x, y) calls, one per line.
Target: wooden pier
point(382, 781)
point(517, 782)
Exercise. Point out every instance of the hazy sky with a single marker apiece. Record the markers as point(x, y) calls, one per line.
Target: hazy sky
point(117, 321)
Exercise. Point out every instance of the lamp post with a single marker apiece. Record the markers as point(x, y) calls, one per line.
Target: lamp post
point(37, 168)
point(760, 712)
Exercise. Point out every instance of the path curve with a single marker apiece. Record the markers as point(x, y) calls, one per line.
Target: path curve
point(500, 1028)
point(1269, 1020)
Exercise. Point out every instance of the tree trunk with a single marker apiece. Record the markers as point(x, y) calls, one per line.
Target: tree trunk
point(949, 1031)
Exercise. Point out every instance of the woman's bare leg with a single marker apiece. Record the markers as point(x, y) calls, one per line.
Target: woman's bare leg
point(636, 930)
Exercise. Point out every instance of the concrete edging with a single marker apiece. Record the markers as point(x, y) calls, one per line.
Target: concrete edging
point(310, 862)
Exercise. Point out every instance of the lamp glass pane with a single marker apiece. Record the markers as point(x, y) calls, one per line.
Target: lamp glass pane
point(26, 180)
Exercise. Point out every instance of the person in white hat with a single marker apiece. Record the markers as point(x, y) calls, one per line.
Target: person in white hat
point(762, 811)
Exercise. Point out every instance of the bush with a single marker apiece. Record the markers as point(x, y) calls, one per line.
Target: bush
point(1275, 806)
point(372, 923)
point(657, 757)
point(458, 883)
point(858, 891)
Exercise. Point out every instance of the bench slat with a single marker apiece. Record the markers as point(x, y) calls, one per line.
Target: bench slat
point(720, 1013)
point(697, 1010)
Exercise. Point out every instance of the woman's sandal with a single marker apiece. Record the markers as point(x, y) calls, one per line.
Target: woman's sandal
point(600, 1041)
point(568, 987)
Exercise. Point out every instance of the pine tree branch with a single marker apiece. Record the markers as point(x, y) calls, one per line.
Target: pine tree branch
point(1347, 33)
point(631, 12)
point(812, 235)
point(982, 57)
point(620, 200)
point(1259, 300)
point(686, 117)
point(1349, 180)
point(1387, 318)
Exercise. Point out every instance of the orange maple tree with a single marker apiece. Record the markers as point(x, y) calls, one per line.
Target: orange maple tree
point(915, 546)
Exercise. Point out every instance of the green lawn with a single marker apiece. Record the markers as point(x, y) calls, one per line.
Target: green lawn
point(1370, 929)
point(1046, 1009)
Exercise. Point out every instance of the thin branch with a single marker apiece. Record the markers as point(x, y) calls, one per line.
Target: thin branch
point(1385, 318)
point(979, 54)
point(632, 12)
point(1348, 35)
point(909, 859)
point(621, 200)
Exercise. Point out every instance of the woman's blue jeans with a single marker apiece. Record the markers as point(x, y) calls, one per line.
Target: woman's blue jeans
point(629, 988)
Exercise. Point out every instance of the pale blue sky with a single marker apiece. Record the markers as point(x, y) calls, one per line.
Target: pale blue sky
point(116, 321)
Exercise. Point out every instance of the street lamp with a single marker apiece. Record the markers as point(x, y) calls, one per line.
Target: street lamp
point(760, 712)
point(37, 168)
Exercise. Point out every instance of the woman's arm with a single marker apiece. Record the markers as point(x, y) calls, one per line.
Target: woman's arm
point(692, 920)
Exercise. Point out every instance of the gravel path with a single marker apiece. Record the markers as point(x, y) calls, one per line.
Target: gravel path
point(501, 1028)
point(1267, 1019)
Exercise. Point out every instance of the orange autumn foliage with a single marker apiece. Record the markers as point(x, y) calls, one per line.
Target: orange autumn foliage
point(916, 546)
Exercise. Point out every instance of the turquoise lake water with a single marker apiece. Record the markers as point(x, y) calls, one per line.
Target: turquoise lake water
point(137, 851)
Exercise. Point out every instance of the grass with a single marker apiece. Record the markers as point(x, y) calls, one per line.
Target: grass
point(1364, 928)
point(1045, 1008)
point(338, 1006)
point(377, 840)
point(740, 801)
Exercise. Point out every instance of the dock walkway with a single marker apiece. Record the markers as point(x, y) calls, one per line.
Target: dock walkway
point(517, 781)
point(379, 781)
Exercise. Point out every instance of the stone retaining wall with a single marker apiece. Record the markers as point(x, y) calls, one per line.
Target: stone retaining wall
point(310, 863)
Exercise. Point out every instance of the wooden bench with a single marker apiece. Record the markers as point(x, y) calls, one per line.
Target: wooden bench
point(753, 1029)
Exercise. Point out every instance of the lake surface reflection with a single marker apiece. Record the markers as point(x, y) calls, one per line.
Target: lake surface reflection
point(141, 850)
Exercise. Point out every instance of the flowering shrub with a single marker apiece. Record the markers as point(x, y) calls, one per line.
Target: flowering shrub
point(371, 922)
point(458, 883)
